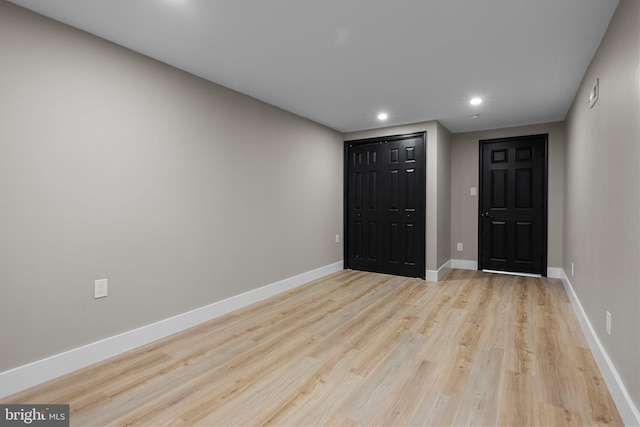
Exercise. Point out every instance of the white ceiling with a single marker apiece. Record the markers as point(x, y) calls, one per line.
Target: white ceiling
point(340, 62)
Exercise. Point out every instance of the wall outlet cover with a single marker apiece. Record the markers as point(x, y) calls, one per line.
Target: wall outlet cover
point(594, 93)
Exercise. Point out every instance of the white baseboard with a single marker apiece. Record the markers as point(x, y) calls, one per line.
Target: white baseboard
point(23, 377)
point(628, 411)
point(554, 273)
point(436, 275)
point(464, 264)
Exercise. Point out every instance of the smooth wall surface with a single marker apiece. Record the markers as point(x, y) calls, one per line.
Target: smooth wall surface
point(602, 196)
point(437, 228)
point(178, 191)
point(465, 174)
point(443, 164)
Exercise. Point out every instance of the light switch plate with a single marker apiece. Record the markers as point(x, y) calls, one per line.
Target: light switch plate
point(100, 288)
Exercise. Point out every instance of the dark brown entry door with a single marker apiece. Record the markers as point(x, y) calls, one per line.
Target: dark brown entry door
point(513, 205)
point(385, 205)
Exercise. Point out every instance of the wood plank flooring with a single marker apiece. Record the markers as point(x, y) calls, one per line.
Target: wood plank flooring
point(354, 349)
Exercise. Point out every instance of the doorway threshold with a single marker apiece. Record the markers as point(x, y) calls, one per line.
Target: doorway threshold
point(512, 273)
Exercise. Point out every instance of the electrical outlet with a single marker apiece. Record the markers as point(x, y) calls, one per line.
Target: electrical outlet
point(100, 288)
point(337, 238)
point(608, 323)
point(594, 93)
point(459, 247)
point(572, 269)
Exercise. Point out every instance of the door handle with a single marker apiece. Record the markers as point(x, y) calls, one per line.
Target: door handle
point(487, 215)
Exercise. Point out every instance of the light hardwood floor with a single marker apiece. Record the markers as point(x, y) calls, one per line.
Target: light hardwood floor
point(359, 348)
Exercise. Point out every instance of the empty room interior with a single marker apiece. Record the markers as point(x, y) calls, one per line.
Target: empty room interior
point(321, 213)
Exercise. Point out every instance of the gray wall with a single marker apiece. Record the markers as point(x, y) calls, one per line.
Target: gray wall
point(602, 196)
point(464, 175)
point(443, 165)
point(179, 191)
point(438, 230)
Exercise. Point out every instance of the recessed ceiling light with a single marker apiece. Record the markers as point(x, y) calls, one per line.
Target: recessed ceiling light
point(383, 116)
point(475, 101)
